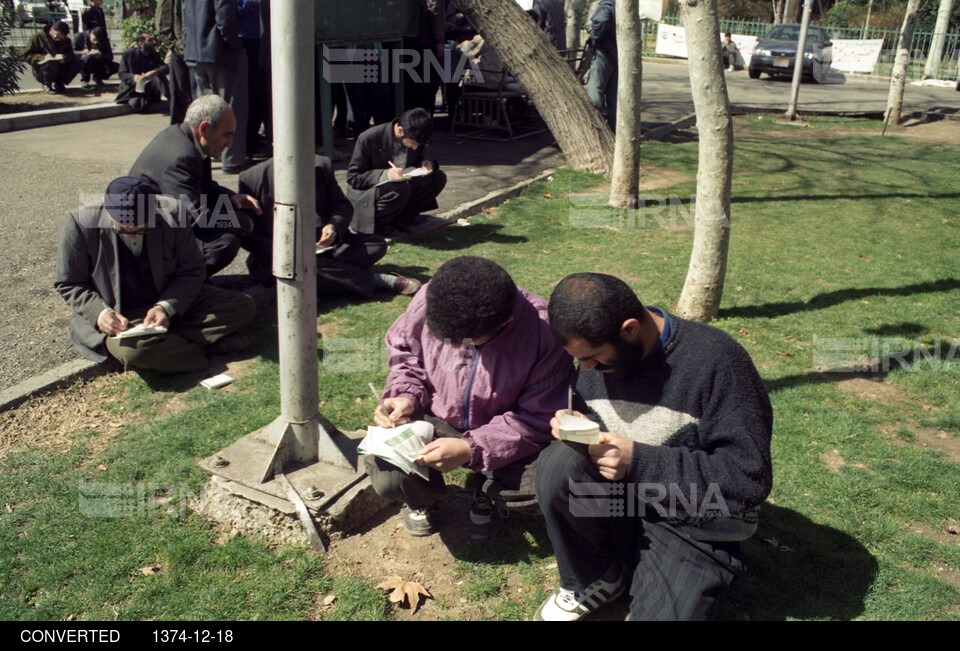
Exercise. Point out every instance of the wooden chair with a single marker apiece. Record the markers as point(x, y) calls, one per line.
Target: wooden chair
point(498, 110)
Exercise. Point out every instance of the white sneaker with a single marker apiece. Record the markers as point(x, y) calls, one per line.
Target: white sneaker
point(568, 606)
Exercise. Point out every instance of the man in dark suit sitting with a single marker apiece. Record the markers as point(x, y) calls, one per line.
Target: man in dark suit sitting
point(94, 49)
point(143, 74)
point(177, 160)
point(381, 195)
point(129, 261)
point(344, 257)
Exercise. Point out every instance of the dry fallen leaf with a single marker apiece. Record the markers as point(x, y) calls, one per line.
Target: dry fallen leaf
point(783, 354)
point(327, 602)
point(743, 331)
point(149, 570)
point(404, 591)
point(547, 195)
point(101, 467)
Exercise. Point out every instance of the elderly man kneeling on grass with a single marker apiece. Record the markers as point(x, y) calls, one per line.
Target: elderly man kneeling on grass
point(129, 262)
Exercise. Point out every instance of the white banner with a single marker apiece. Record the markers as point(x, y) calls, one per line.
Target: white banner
point(856, 56)
point(672, 41)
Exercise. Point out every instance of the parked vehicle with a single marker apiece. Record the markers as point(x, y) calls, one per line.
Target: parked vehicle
point(776, 52)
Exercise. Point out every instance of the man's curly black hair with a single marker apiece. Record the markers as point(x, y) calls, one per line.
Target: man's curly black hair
point(468, 298)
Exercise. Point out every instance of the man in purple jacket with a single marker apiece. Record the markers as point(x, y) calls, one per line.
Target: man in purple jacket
point(473, 353)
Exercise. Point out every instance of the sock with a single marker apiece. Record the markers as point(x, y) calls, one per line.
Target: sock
point(384, 280)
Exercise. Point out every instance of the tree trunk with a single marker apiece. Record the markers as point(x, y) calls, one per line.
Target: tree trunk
point(898, 80)
point(790, 11)
point(700, 299)
point(932, 68)
point(580, 130)
point(625, 184)
point(573, 10)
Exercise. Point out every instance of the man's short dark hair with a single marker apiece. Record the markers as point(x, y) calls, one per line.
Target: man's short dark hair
point(61, 27)
point(100, 33)
point(468, 298)
point(142, 36)
point(417, 125)
point(592, 307)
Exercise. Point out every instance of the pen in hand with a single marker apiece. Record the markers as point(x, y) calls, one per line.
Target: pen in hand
point(380, 400)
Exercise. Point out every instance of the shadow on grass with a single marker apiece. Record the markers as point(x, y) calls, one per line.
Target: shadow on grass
point(845, 196)
point(936, 354)
point(451, 239)
point(799, 569)
point(829, 299)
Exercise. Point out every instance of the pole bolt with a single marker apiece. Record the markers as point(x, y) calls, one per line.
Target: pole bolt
point(313, 493)
point(220, 462)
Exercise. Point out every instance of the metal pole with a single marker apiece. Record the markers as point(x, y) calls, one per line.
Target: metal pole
point(295, 263)
point(791, 113)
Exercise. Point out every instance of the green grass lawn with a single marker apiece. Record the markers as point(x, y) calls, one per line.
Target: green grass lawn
point(838, 243)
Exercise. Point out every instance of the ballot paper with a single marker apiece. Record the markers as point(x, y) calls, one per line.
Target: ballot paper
point(408, 173)
point(399, 445)
point(141, 331)
point(578, 430)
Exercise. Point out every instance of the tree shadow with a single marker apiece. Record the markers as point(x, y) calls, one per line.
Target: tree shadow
point(936, 354)
point(829, 299)
point(455, 238)
point(799, 569)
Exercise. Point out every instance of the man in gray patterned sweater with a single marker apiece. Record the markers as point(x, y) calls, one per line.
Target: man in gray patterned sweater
point(662, 501)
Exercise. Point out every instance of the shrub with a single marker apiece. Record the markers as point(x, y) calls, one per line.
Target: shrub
point(11, 63)
point(132, 26)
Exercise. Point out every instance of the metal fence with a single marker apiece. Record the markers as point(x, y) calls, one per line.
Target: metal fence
point(919, 47)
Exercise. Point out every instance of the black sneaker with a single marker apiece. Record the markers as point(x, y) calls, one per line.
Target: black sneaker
point(485, 518)
point(417, 521)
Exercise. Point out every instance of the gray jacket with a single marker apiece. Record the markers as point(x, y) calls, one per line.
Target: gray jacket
point(88, 278)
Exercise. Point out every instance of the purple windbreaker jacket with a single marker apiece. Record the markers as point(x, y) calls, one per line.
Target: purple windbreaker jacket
point(501, 394)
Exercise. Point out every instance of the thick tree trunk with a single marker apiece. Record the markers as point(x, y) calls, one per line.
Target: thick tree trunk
point(700, 299)
point(932, 68)
point(898, 79)
point(625, 183)
point(573, 10)
point(580, 130)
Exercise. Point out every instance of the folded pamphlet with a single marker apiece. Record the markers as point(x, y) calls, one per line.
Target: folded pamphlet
point(399, 445)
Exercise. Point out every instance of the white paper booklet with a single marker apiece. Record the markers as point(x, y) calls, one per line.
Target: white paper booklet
point(399, 445)
point(141, 331)
point(578, 430)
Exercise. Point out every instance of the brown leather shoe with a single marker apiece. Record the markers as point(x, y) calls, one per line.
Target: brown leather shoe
point(406, 286)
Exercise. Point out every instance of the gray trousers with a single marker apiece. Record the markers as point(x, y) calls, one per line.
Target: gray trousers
point(214, 314)
point(602, 86)
point(231, 85)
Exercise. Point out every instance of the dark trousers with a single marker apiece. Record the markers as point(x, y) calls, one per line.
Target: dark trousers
point(258, 94)
point(220, 239)
point(674, 577)
point(181, 93)
point(398, 203)
point(510, 486)
point(347, 267)
point(96, 68)
point(54, 72)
